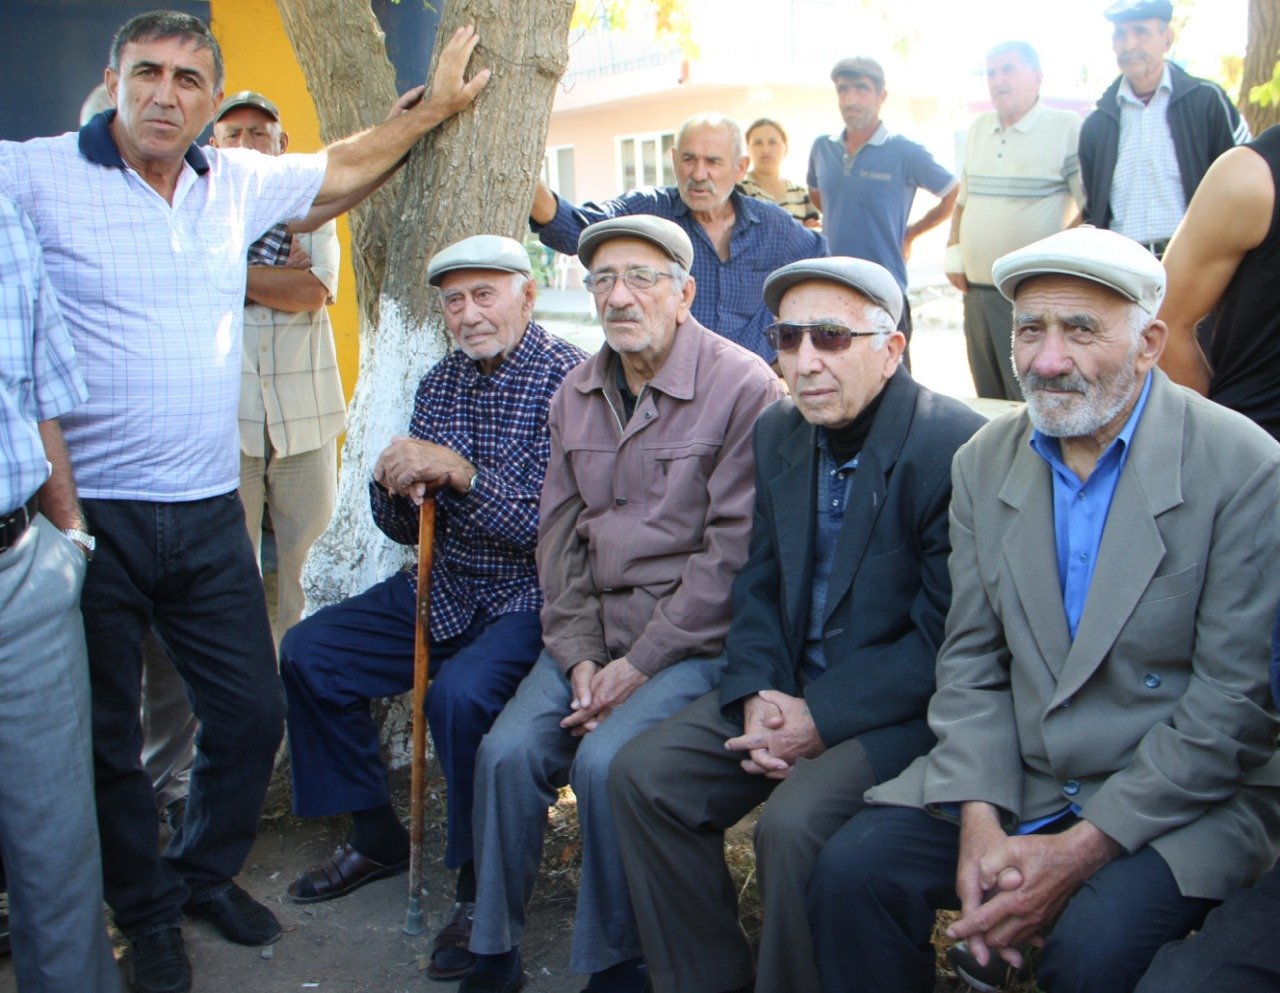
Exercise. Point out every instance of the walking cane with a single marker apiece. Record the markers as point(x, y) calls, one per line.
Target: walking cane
point(418, 756)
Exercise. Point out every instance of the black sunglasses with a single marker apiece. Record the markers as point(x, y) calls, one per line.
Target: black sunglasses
point(827, 336)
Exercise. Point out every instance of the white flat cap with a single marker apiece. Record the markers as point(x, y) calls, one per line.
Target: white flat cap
point(867, 278)
point(666, 235)
point(1099, 256)
point(480, 251)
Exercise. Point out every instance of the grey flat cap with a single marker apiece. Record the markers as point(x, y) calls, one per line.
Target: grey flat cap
point(859, 65)
point(667, 235)
point(1138, 10)
point(871, 280)
point(247, 98)
point(1103, 257)
point(480, 251)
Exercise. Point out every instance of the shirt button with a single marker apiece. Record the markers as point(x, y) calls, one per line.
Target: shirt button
point(1084, 556)
point(1070, 787)
point(1151, 680)
point(835, 503)
point(621, 501)
point(1064, 704)
point(648, 414)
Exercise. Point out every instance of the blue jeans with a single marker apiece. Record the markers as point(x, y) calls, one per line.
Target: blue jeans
point(338, 659)
point(188, 569)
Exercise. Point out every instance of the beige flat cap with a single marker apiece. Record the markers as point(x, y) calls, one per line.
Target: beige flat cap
point(1102, 257)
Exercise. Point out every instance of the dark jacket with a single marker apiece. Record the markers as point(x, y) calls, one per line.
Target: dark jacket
point(1202, 119)
point(889, 591)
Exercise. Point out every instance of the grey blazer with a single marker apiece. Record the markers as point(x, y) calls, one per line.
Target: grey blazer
point(1158, 718)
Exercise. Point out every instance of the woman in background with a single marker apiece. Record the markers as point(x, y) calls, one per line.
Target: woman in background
point(767, 146)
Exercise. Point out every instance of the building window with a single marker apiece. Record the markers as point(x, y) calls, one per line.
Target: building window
point(645, 160)
point(557, 171)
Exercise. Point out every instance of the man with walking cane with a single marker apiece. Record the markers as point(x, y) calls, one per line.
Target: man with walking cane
point(478, 442)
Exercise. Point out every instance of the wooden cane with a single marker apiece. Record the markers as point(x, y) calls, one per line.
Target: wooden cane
point(418, 756)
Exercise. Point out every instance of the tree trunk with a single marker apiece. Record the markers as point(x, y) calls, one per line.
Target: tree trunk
point(473, 175)
point(1261, 53)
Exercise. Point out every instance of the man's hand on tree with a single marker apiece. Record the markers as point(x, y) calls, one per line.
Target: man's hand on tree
point(450, 90)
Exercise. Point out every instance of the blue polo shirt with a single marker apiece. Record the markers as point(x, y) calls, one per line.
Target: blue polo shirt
point(867, 197)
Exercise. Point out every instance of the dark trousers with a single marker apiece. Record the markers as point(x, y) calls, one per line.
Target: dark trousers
point(188, 569)
point(1236, 951)
point(880, 878)
point(335, 661)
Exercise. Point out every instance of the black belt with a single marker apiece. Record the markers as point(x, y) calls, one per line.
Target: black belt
point(14, 526)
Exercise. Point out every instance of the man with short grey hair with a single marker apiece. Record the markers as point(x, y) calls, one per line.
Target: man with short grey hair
point(1105, 768)
point(736, 240)
point(646, 515)
point(1020, 183)
point(837, 618)
point(478, 445)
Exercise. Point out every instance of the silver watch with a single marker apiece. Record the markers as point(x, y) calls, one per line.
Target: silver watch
point(83, 539)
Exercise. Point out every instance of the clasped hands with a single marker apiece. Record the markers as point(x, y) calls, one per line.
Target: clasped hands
point(777, 731)
point(1013, 887)
point(597, 691)
point(412, 468)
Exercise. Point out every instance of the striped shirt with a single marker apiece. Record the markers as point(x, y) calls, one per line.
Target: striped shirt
point(1147, 198)
point(153, 294)
point(795, 201)
point(484, 538)
point(39, 376)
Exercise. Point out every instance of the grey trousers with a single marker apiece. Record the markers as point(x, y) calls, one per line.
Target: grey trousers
point(48, 824)
point(675, 791)
point(523, 760)
point(988, 335)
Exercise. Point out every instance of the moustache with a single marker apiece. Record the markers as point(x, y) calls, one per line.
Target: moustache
point(1072, 382)
point(622, 314)
point(699, 186)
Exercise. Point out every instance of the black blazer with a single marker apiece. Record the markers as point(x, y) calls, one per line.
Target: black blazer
point(889, 589)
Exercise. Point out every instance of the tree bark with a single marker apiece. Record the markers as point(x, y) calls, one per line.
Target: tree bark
point(1261, 53)
point(473, 175)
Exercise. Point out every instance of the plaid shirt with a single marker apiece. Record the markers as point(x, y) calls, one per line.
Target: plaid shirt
point(272, 248)
point(485, 538)
point(730, 297)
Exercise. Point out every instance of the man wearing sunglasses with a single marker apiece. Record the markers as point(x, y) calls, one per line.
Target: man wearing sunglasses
point(646, 517)
point(837, 616)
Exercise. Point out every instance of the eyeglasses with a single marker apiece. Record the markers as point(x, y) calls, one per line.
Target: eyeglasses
point(827, 336)
point(639, 278)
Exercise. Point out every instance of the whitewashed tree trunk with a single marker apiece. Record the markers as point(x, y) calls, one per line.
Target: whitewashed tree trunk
point(473, 175)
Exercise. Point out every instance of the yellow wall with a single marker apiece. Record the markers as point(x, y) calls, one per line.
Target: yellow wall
point(259, 57)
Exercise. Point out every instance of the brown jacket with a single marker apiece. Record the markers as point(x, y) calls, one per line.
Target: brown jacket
point(644, 528)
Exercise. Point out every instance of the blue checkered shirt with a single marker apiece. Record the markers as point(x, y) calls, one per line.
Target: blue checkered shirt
point(485, 538)
point(39, 377)
point(730, 297)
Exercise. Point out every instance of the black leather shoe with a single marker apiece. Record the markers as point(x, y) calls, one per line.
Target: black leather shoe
point(159, 963)
point(236, 914)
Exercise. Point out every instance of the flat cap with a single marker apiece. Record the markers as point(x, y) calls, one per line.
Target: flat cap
point(859, 65)
point(480, 251)
point(667, 235)
point(1139, 10)
point(247, 98)
point(871, 280)
point(1102, 257)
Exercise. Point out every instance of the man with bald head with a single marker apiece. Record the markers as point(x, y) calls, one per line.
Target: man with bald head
point(478, 444)
point(646, 514)
point(837, 619)
point(736, 239)
point(1105, 768)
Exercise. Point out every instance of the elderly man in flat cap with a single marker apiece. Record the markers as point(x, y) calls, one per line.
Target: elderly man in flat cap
point(1155, 131)
point(478, 443)
point(1105, 768)
point(646, 517)
point(837, 618)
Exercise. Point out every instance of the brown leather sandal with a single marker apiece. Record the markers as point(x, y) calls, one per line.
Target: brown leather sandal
point(341, 873)
point(456, 933)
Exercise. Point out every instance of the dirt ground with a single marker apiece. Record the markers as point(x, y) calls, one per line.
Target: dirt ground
point(356, 944)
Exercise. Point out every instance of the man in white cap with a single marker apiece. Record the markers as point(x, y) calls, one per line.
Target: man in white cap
point(646, 516)
point(1105, 768)
point(478, 443)
point(837, 619)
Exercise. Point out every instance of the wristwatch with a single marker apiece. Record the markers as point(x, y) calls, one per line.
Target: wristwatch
point(85, 540)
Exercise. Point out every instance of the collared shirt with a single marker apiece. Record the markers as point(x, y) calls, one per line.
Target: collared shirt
point(153, 294)
point(1019, 184)
point(484, 538)
point(39, 376)
point(867, 196)
point(1147, 199)
point(834, 483)
point(1080, 509)
point(730, 297)
point(290, 389)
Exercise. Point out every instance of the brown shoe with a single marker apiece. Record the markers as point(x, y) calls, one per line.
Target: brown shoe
point(454, 940)
point(343, 871)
